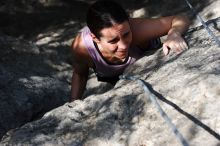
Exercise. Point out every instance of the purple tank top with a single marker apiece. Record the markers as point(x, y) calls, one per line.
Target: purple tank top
point(102, 68)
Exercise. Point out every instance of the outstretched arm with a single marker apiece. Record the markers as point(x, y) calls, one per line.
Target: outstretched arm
point(174, 26)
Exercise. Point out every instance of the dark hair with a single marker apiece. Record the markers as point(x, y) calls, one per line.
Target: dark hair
point(103, 14)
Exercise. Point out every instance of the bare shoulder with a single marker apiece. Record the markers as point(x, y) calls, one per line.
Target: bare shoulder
point(81, 57)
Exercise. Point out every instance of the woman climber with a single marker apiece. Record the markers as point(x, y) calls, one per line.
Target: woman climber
point(111, 41)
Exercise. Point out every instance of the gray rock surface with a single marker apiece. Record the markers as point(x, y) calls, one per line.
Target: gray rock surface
point(35, 78)
point(30, 83)
point(187, 86)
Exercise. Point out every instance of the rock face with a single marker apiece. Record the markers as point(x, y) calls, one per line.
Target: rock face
point(35, 78)
point(188, 89)
point(27, 92)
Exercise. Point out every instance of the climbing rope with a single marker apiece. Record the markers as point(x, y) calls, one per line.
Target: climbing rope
point(203, 23)
point(162, 113)
point(153, 97)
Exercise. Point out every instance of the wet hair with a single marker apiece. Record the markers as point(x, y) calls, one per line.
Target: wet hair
point(104, 14)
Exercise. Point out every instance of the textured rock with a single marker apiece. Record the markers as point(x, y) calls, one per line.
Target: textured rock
point(188, 89)
point(35, 77)
point(29, 82)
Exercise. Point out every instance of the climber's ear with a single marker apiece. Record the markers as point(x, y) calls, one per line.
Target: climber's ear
point(94, 38)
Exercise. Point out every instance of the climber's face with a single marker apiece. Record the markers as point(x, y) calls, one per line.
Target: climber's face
point(115, 41)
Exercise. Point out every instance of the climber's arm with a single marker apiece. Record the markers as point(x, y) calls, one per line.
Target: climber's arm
point(79, 80)
point(174, 39)
point(173, 26)
point(80, 69)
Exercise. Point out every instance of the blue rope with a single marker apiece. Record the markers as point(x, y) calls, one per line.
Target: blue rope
point(203, 23)
point(162, 113)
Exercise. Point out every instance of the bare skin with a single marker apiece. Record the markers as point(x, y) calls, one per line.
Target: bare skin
point(115, 41)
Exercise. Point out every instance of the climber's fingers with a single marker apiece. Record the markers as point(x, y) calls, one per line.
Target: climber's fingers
point(175, 43)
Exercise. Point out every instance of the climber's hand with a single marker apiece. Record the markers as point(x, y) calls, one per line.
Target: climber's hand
point(174, 42)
